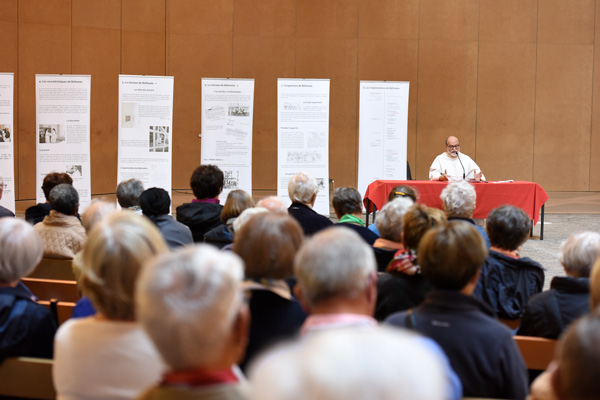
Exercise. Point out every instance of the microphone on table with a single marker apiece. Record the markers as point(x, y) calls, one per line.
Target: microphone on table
point(461, 164)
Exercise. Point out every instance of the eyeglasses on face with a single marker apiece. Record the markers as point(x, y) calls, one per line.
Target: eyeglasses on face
point(456, 146)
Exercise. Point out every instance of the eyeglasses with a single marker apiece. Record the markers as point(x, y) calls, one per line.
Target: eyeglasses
point(456, 146)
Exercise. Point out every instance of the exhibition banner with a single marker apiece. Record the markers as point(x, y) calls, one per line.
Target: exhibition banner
point(383, 124)
point(303, 135)
point(227, 112)
point(63, 129)
point(146, 130)
point(7, 160)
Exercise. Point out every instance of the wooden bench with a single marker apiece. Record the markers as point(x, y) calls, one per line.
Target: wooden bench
point(47, 289)
point(27, 377)
point(62, 310)
point(51, 268)
point(537, 352)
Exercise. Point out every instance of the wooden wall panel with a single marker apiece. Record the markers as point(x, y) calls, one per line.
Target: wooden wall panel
point(563, 116)
point(200, 46)
point(44, 48)
point(265, 52)
point(388, 19)
point(595, 135)
point(447, 99)
point(456, 20)
point(505, 110)
point(513, 21)
point(104, 14)
point(334, 18)
point(566, 21)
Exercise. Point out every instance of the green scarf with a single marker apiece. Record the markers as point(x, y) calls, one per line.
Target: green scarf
point(353, 219)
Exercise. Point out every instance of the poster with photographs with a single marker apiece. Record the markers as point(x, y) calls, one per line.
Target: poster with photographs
point(145, 130)
point(227, 106)
point(63, 131)
point(303, 136)
point(7, 161)
point(382, 132)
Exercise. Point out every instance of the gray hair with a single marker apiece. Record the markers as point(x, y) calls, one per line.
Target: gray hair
point(245, 216)
point(579, 253)
point(187, 301)
point(21, 249)
point(459, 199)
point(335, 262)
point(351, 364)
point(95, 212)
point(389, 219)
point(273, 203)
point(64, 199)
point(129, 192)
point(302, 187)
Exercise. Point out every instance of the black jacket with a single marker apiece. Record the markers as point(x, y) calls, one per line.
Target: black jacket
point(200, 218)
point(35, 214)
point(365, 233)
point(310, 221)
point(481, 350)
point(506, 284)
point(549, 313)
point(399, 292)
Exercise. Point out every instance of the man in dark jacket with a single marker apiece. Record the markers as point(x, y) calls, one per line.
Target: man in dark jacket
point(549, 313)
point(37, 213)
point(302, 189)
point(481, 350)
point(204, 212)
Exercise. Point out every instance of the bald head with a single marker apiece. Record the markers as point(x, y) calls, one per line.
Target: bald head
point(452, 146)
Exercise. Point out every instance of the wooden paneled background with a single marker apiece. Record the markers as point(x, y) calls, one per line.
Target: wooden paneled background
point(515, 80)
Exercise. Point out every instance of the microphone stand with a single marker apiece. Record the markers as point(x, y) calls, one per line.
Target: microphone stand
point(461, 164)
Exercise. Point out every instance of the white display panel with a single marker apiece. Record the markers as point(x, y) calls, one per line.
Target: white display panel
point(7, 160)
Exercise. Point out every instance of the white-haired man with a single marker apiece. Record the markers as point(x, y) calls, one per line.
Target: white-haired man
point(452, 165)
point(4, 212)
point(190, 303)
point(302, 189)
point(272, 203)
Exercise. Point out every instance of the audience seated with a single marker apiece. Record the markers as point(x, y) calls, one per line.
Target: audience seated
point(61, 231)
point(549, 313)
point(459, 199)
point(352, 364)
point(4, 212)
point(109, 356)
point(389, 224)
point(237, 201)
point(508, 280)
point(481, 349)
point(26, 328)
point(190, 303)
point(398, 191)
point(347, 204)
point(273, 203)
point(128, 195)
point(35, 214)
point(204, 212)
point(156, 204)
point(402, 286)
point(303, 189)
point(268, 243)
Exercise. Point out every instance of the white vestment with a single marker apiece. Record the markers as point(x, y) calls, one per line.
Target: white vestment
point(453, 168)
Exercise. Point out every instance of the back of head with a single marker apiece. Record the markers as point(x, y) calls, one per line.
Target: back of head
point(187, 301)
point(268, 243)
point(207, 181)
point(350, 364)
point(459, 199)
point(155, 202)
point(274, 204)
point(237, 201)
point(403, 191)
point(579, 253)
point(97, 210)
point(245, 216)
point(346, 200)
point(578, 353)
point(21, 249)
point(390, 219)
point(451, 256)
point(112, 258)
point(64, 199)
point(334, 263)
point(129, 192)
point(53, 179)
point(302, 188)
point(417, 221)
point(508, 227)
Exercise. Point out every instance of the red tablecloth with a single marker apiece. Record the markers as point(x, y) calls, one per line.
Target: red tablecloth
point(528, 196)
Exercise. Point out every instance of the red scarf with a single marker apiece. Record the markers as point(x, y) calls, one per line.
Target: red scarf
point(198, 377)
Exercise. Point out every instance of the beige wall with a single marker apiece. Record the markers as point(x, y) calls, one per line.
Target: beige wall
point(515, 80)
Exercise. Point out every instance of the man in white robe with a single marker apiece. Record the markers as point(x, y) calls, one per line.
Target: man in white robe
point(447, 166)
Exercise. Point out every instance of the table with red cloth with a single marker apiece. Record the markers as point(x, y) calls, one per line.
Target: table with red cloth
point(528, 196)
